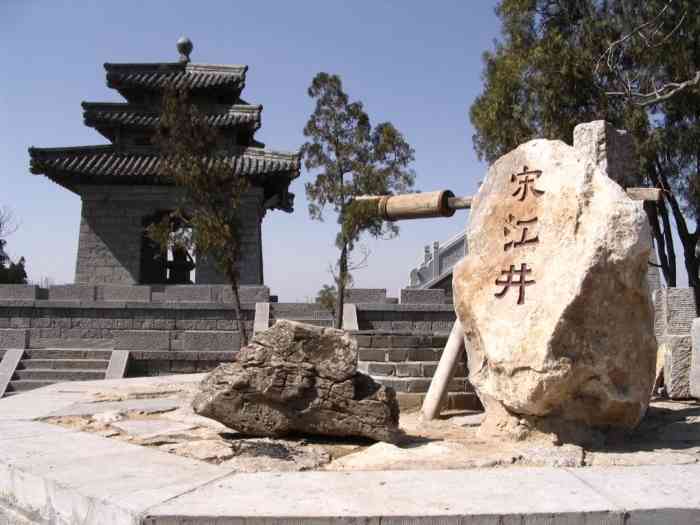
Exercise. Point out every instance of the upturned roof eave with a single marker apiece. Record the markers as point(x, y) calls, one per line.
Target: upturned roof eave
point(129, 106)
point(176, 66)
point(39, 157)
point(215, 78)
point(109, 114)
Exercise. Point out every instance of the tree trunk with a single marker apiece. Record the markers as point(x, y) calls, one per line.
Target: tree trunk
point(670, 249)
point(342, 280)
point(688, 240)
point(237, 307)
point(239, 317)
point(665, 252)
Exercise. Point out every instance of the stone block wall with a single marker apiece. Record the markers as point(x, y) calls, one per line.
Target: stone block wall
point(19, 292)
point(137, 326)
point(111, 293)
point(674, 315)
point(418, 318)
point(407, 362)
point(423, 296)
point(14, 338)
point(311, 313)
point(365, 295)
point(111, 229)
point(157, 363)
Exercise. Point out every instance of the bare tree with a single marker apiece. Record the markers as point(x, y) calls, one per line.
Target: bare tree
point(8, 223)
point(642, 85)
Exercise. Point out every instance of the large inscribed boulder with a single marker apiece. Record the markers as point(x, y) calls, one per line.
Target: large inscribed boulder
point(553, 296)
point(296, 377)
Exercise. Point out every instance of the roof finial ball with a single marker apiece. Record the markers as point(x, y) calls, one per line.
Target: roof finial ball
point(184, 47)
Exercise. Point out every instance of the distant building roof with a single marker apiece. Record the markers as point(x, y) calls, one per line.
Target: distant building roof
point(133, 158)
point(98, 114)
point(159, 76)
point(95, 162)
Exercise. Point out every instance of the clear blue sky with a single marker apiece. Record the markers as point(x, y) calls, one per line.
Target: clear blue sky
point(417, 64)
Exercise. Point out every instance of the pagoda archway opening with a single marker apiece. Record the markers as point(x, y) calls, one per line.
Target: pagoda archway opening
point(174, 265)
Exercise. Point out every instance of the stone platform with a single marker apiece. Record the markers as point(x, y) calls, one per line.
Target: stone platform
point(130, 452)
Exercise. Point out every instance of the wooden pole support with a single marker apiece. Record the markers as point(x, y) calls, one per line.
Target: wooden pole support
point(444, 203)
point(443, 375)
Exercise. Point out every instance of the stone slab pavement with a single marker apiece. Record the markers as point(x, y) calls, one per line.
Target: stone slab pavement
point(53, 475)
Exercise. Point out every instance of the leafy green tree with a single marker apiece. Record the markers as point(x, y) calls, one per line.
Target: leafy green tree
point(351, 158)
point(208, 220)
point(11, 272)
point(563, 62)
point(327, 296)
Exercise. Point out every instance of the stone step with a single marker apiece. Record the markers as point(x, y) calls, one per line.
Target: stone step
point(315, 322)
point(407, 369)
point(66, 353)
point(453, 401)
point(420, 385)
point(54, 376)
point(22, 385)
point(71, 343)
point(64, 364)
point(399, 354)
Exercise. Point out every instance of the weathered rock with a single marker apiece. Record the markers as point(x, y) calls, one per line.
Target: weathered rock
point(296, 377)
point(553, 296)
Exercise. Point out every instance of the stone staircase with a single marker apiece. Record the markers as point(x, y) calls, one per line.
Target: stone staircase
point(45, 366)
point(406, 361)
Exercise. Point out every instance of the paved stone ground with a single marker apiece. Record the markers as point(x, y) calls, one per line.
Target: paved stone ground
point(158, 415)
point(129, 452)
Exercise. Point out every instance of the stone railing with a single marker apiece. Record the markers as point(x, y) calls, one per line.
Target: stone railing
point(438, 263)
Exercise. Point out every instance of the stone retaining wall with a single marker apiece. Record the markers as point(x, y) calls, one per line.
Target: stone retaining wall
point(419, 318)
point(104, 325)
point(157, 363)
point(87, 293)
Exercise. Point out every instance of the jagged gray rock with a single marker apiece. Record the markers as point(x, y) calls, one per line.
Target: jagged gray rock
point(296, 377)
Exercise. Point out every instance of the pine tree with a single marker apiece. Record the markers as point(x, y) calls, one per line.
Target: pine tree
point(352, 158)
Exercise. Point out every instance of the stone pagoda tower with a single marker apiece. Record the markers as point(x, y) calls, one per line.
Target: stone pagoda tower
point(119, 185)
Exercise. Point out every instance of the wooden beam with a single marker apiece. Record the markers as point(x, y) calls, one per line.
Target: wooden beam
point(644, 194)
point(459, 203)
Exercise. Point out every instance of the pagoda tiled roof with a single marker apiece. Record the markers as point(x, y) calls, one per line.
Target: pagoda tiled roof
point(159, 76)
point(106, 164)
point(105, 113)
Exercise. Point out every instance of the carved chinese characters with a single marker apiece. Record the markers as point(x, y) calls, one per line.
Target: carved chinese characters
point(525, 180)
point(553, 296)
point(520, 229)
point(513, 277)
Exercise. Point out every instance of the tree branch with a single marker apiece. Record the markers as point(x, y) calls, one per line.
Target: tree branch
point(651, 35)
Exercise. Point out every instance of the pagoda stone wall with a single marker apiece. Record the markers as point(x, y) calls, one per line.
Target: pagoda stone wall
point(111, 229)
